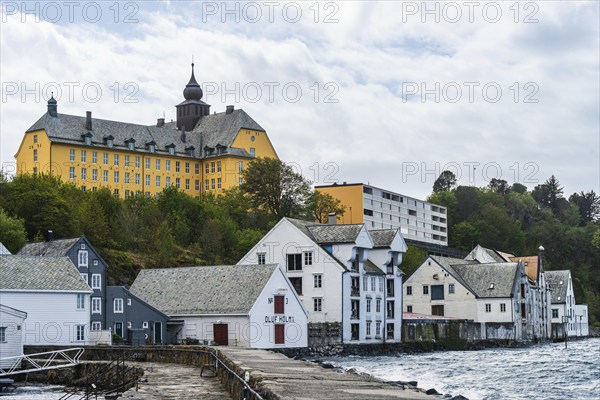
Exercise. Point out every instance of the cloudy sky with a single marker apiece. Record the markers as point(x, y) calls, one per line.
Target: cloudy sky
point(388, 93)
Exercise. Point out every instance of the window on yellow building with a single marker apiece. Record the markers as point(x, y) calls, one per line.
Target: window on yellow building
point(71, 154)
point(137, 161)
point(206, 185)
point(218, 183)
point(168, 165)
point(172, 150)
point(187, 167)
point(218, 166)
point(167, 181)
point(83, 156)
point(158, 181)
point(147, 162)
point(94, 175)
point(105, 176)
point(116, 159)
point(71, 173)
point(137, 179)
point(197, 168)
point(240, 166)
point(197, 187)
point(35, 138)
point(206, 168)
point(34, 155)
point(116, 192)
point(147, 180)
point(241, 180)
point(127, 192)
point(127, 160)
point(212, 184)
point(105, 158)
point(158, 164)
point(83, 174)
point(177, 183)
point(212, 167)
point(94, 157)
point(187, 184)
point(116, 178)
point(130, 145)
point(252, 151)
point(127, 178)
point(176, 166)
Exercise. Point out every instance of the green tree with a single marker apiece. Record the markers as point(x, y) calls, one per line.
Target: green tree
point(445, 182)
point(464, 236)
point(588, 205)
point(549, 194)
point(499, 186)
point(518, 188)
point(322, 204)
point(12, 232)
point(275, 187)
point(412, 259)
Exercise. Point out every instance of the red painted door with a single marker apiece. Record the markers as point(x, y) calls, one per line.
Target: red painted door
point(279, 334)
point(220, 334)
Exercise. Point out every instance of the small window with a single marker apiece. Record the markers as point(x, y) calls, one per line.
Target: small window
point(35, 138)
point(488, 308)
point(96, 281)
point(262, 258)
point(368, 305)
point(318, 280)
point(118, 306)
point(308, 258)
point(145, 324)
point(71, 154)
point(409, 290)
point(130, 145)
point(172, 151)
point(80, 301)
point(297, 284)
point(502, 307)
point(128, 324)
point(240, 167)
point(317, 304)
point(128, 301)
point(252, 151)
point(409, 308)
point(96, 326)
point(294, 262)
point(451, 288)
point(425, 289)
point(96, 305)
point(80, 333)
point(82, 258)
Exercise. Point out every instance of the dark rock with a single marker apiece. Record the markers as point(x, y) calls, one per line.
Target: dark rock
point(431, 391)
point(459, 397)
point(327, 366)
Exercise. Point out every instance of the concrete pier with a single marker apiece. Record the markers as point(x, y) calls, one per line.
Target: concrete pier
point(281, 377)
point(175, 381)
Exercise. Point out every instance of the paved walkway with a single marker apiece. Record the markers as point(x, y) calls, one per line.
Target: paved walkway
point(175, 381)
point(301, 380)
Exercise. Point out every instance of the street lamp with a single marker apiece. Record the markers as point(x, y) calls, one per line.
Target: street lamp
point(565, 320)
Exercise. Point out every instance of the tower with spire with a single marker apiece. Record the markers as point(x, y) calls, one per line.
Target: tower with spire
point(192, 108)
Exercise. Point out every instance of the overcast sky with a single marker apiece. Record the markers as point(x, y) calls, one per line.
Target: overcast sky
point(384, 93)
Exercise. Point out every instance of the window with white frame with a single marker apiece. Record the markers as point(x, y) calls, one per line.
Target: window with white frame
point(378, 306)
point(373, 283)
point(317, 304)
point(451, 288)
point(368, 305)
point(502, 307)
point(409, 290)
point(96, 325)
point(3, 334)
point(128, 301)
point(308, 258)
point(118, 305)
point(96, 305)
point(145, 324)
point(80, 301)
point(82, 258)
point(377, 328)
point(80, 333)
point(128, 324)
point(262, 258)
point(318, 280)
point(369, 328)
point(488, 307)
point(96, 281)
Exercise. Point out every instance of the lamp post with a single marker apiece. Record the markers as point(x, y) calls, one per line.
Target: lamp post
point(564, 320)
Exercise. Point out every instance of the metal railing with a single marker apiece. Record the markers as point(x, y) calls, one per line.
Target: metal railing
point(42, 361)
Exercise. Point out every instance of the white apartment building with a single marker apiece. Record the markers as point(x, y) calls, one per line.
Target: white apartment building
point(378, 208)
point(342, 273)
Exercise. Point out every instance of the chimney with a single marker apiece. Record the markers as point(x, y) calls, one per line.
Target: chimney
point(88, 120)
point(229, 110)
point(49, 236)
point(331, 219)
point(541, 252)
point(160, 122)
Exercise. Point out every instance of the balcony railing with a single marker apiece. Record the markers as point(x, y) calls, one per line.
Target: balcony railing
point(355, 291)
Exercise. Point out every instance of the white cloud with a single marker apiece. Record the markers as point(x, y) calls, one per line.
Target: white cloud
point(370, 54)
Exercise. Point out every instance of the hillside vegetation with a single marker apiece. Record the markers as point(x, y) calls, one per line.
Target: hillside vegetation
point(176, 229)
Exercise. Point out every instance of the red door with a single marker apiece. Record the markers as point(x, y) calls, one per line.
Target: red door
point(279, 334)
point(220, 334)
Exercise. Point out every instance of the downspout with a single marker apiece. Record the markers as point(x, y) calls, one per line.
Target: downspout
point(343, 299)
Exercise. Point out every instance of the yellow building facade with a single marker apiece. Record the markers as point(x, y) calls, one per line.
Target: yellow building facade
point(198, 153)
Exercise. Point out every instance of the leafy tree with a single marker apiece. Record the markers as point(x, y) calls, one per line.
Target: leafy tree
point(549, 194)
point(499, 186)
point(464, 236)
point(518, 188)
point(497, 230)
point(445, 182)
point(467, 202)
point(12, 232)
point(412, 259)
point(275, 187)
point(322, 204)
point(588, 204)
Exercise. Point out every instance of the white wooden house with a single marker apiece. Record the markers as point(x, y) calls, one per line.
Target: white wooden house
point(563, 303)
point(52, 293)
point(11, 334)
point(342, 273)
point(240, 305)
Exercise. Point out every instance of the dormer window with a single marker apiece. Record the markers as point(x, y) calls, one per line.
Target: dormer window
point(152, 146)
point(87, 139)
point(190, 151)
point(109, 141)
point(172, 151)
point(208, 151)
point(130, 144)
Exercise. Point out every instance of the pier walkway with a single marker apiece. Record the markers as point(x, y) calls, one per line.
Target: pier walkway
point(176, 382)
point(300, 380)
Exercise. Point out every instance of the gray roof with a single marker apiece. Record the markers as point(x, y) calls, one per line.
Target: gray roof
point(53, 248)
point(557, 281)
point(210, 130)
point(485, 255)
point(328, 234)
point(481, 277)
point(372, 269)
point(203, 290)
point(4, 250)
point(383, 237)
point(40, 273)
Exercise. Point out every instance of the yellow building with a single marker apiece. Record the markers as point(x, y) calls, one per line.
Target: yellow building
point(198, 153)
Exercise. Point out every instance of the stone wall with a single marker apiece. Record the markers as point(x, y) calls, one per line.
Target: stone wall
point(187, 355)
